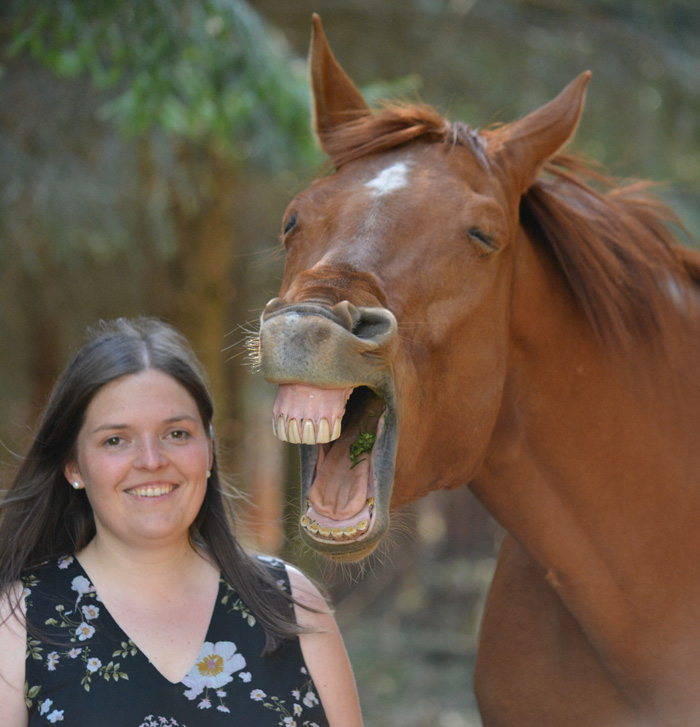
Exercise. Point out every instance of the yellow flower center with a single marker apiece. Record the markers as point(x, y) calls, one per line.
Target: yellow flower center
point(211, 665)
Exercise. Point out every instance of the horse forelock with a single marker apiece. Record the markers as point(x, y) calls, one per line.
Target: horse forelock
point(396, 125)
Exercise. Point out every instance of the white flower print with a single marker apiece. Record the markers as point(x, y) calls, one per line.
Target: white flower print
point(310, 699)
point(153, 721)
point(52, 660)
point(81, 585)
point(84, 631)
point(75, 653)
point(257, 695)
point(93, 664)
point(64, 562)
point(223, 708)
point(90, 612)
point(296, 694)
point(297, 710)
point(290, 722)
point(45, 706)
point(245, 676)
point(204, 704)
point(220, 693)
point(55, 716)
point(213, 668)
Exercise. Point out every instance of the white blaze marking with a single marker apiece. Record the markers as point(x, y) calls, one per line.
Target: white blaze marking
point(389, 180)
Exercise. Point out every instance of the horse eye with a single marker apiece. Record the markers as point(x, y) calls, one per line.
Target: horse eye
point(481, 238)
point(291, 223)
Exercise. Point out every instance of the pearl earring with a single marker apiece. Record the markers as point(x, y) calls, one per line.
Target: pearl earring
point(76, 485)
point(208, 474)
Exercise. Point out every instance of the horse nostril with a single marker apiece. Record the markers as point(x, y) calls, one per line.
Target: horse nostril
point(273, 305)
point(346, 314)
point(374, 324)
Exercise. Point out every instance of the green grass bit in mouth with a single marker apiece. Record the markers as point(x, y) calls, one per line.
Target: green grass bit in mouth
point(364, 443)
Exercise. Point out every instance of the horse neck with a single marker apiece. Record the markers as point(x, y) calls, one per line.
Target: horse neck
point(595, 460)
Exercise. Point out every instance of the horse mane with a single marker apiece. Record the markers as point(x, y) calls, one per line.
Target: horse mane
point(614, 243)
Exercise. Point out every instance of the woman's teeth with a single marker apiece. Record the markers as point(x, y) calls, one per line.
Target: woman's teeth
point(151, 490)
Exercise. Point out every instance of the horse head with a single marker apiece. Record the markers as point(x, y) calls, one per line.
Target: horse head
point(389, 339)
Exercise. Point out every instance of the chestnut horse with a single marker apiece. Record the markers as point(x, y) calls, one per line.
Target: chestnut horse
point(476, 307)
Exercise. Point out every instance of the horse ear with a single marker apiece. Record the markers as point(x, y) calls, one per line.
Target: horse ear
point(336, 99)
point(523, 147)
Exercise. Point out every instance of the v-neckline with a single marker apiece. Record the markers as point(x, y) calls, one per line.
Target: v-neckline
point(115, 623)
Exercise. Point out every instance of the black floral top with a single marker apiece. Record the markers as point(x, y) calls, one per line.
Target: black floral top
point(86, 670)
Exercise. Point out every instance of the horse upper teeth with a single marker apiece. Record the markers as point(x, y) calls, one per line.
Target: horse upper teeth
point(294, 434)
point(370, 502)
point(337, 533)
point(350, 530)
point(336, 429)
point(362, 525)
point(305, 520)
point(280, 432)
point(313, 527)
point(306, 432)
point(325, 531)
point(324, 432)
point(308, 436)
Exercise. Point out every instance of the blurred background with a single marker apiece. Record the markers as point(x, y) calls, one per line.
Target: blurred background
point(147, 152)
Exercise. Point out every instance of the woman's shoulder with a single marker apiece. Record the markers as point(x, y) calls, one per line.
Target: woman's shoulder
point(274, 567)
point(293, 581)
point(13, 636)
point(48, 566)
point(61, 568)
point(288, 576)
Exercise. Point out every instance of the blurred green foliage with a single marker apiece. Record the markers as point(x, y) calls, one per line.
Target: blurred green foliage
point(207, 70)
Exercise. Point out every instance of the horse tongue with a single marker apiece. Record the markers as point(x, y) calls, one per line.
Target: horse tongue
point(339, 490)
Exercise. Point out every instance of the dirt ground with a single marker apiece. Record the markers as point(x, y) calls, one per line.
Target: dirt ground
point(413, 643)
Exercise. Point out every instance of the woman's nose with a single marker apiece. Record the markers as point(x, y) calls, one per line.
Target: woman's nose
point(150, 455)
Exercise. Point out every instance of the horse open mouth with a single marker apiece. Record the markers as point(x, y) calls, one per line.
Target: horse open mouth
point(347, 443)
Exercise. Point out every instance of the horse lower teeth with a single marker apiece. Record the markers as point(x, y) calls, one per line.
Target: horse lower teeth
point(336, 533)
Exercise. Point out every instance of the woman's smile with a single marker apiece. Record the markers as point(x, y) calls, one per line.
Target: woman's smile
point(151, 491)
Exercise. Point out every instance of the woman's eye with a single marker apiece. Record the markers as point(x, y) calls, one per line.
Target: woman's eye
point(113, 441)
point(179, 434)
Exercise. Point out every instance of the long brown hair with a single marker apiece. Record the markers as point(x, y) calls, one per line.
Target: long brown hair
point(42, 518)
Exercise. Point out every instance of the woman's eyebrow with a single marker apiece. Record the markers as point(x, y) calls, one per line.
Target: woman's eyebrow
point(117, 426)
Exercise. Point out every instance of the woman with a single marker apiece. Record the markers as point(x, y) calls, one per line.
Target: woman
point(126, 599)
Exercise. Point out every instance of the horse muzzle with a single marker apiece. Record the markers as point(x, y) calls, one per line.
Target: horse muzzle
point(336, 399)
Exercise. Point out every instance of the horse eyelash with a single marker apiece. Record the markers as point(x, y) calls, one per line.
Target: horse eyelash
point(290, 224)
point(481, 237)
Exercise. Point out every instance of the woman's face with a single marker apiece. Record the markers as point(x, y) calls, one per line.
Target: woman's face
point(142, 456)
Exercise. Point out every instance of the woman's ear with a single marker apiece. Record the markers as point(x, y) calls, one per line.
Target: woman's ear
point(72, 474)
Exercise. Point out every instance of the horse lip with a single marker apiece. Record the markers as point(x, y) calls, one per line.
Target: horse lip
point(277, 307)
point(328, 347)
